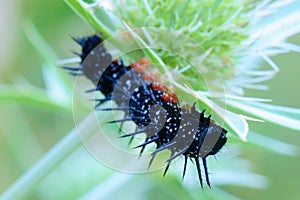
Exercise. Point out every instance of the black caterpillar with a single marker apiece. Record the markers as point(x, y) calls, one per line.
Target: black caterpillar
point(151, 106)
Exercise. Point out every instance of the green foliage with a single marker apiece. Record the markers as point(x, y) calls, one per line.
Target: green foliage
point(225, 32)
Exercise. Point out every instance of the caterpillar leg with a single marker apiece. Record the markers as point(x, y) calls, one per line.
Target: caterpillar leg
point(206, 171)
point(143, 148)
point(184, 166)
point(167, 168)
point(150, 162)
point(199, 171)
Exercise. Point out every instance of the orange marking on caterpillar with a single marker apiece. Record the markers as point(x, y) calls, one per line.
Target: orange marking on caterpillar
point(168, 95)
point(141, 65)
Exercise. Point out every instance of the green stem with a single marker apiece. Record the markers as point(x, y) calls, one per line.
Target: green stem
point(108, 187)
point(82, 9)
point(27, 182)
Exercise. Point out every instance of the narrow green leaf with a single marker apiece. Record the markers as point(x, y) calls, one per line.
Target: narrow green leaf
point(272, 144)
point(237, 123)
point(235, 97)
point(32, 97)
point(279, 115)
point(55, 83)
point(56, 90)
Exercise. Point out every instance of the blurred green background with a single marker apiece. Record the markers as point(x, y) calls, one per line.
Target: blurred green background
point(29, 128)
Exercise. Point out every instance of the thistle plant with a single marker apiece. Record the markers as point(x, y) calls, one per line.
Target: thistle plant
point(209, 51)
